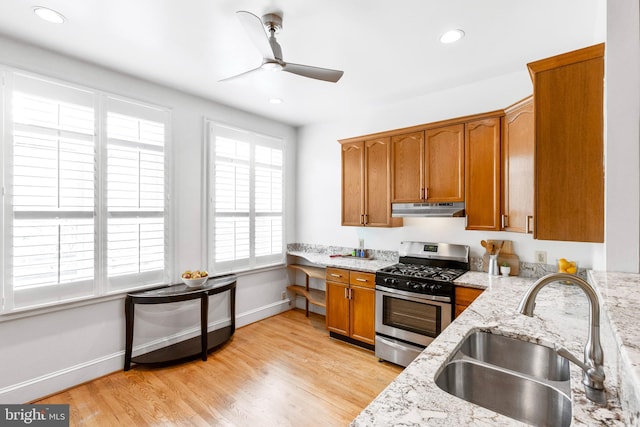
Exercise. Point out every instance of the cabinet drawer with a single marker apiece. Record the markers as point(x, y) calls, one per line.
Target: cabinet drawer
point(365, 280)
point(337, 275)
point(465, 296)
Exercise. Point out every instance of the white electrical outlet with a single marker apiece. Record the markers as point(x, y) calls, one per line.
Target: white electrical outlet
point(284, 295)
point(541, 257)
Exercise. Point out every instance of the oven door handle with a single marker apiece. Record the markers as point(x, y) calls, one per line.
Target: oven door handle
point(415, 296)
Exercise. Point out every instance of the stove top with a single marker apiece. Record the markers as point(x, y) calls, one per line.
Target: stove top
point(419, 271)
point(426, 268)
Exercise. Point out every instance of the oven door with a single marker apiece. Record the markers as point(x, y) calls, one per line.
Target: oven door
point(411, 317)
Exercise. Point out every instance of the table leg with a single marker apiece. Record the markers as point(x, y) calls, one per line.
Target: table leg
point(204, 315)
point(129, 313)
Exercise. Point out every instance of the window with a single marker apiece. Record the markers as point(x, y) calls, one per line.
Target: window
point(246, 185)
point(84, 205)
point(136, 194)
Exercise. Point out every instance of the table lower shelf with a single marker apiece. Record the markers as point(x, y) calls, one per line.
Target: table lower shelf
point(188, 349)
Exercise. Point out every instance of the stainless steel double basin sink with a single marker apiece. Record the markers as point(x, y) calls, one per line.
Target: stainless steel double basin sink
point(522, 380)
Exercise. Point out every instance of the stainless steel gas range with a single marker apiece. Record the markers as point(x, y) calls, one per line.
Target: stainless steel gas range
point(415, 298)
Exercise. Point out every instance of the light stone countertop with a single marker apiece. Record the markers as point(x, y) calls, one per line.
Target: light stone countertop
point(351, 263)
point(561, 317)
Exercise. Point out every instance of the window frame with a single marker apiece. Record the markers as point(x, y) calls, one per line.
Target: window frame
point(252, 264)
point(99, 287)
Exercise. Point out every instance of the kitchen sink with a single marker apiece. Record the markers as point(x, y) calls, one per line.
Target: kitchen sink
point(519, 379)
point(516, 355)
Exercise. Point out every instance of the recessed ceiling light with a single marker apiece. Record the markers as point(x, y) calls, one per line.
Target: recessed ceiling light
point(275, 101)
point(48, 15)
point(451, 36)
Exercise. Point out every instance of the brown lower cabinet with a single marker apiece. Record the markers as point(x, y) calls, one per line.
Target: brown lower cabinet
point(350, 307)
point(464, 297)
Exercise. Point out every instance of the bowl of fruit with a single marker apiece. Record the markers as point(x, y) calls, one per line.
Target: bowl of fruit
point(568, 267)
point(194, 279)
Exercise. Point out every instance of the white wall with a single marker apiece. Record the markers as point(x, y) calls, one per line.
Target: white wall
point(48, 351)
point(318, 213)
point(622, 162)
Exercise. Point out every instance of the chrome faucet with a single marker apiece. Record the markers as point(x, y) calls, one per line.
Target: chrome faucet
point(593, 377)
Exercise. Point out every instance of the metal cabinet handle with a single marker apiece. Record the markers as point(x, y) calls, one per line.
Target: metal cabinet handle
point(346, 293)
point(335, 275)
point(358, 279)
point(426, 193)
point(526, 224)
point(503, 221)
point(366, 219)
point(362, 219)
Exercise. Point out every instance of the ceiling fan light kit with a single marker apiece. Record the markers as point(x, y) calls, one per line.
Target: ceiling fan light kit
point(271, 51)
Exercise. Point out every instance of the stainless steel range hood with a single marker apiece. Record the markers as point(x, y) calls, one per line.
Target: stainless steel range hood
point(448, 209)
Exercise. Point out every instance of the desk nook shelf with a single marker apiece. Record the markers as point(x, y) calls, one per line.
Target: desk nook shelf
point(312, 296)
point(175, 293)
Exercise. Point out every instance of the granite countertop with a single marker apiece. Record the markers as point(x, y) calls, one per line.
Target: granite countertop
point(561, 317)
point(351, 263)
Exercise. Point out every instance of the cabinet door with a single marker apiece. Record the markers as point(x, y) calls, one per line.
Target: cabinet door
point(353, 183)
point(517, 167)
point(569, 149)
point(362, 314)
point(482, 174)
point(338, 308)
point(377, 183)
point(464, 298)
point(408, 168)
point(444, 160)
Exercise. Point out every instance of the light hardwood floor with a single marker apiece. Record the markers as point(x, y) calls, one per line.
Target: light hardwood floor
point(281, 371)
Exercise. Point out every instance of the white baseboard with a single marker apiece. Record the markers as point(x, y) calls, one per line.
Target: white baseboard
point(54, 382)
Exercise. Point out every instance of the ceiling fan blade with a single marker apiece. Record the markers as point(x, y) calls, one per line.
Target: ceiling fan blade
point(313, 72)
point(240, 75)
point(255, 30)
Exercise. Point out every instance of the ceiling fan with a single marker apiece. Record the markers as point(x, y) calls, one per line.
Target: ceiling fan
point(271, 51)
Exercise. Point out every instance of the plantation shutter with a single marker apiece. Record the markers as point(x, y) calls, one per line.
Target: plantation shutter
point(246, 194)
point(51, 193)
point(136, 194)
point(85, 203)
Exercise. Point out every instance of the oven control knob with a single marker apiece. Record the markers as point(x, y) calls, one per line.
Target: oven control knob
point(413, 285)
point(390, 281)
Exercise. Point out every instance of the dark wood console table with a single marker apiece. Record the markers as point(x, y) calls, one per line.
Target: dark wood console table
point(175, 293)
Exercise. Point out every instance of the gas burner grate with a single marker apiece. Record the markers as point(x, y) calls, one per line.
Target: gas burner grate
point(420, 271)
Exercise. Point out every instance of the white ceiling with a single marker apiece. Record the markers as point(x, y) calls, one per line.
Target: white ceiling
point(388, 50)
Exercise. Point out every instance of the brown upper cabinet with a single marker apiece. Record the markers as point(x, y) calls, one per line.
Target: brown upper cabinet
point(517, 167)
point(482, 174)
point(535, 167)
point(428, 165)
point(569, 172)
point(366, 183)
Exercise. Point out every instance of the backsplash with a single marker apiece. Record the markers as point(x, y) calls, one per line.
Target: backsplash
point(391, 256)
point(530, 270)
point(527, 269)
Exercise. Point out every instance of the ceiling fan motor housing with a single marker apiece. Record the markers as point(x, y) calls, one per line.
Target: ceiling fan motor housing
point(272, 22)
